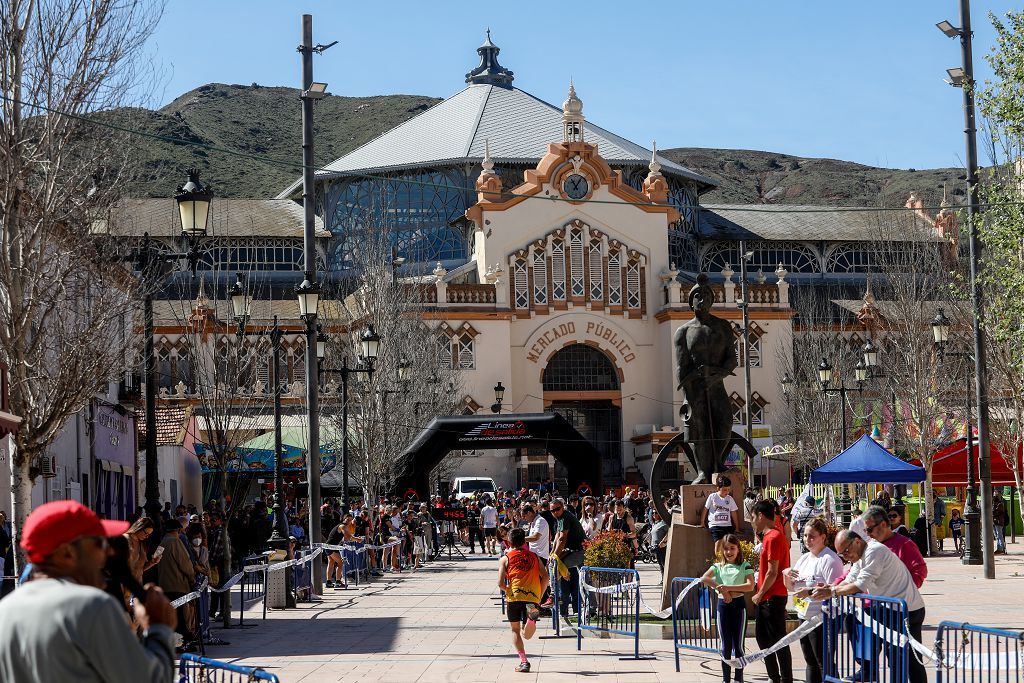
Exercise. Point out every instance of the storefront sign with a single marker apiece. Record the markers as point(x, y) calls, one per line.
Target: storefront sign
point(115, 440)
point(591, 329)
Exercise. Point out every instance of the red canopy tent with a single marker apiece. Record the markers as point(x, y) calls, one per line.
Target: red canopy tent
point(950, 466)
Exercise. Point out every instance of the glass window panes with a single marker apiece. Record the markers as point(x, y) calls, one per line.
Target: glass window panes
point(580, 368)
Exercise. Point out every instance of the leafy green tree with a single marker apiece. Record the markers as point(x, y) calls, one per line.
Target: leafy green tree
point(1001, 228)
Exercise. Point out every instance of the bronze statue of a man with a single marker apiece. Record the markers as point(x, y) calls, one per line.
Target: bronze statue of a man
point(706, 355)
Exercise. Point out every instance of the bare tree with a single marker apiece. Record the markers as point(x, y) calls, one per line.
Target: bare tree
point(224, 375)
point(918, 273)
point(412, 381)
point(812, 417)
point(65, 298)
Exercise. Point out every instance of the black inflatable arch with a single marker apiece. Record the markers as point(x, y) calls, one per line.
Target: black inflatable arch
point(468, 432)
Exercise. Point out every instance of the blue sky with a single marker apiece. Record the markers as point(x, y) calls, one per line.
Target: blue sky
point(859, 81)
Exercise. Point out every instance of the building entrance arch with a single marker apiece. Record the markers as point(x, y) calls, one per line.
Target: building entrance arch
point(583, 385)
point(465, 432)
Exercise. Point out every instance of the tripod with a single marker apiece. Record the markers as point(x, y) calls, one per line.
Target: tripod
point(448, 541)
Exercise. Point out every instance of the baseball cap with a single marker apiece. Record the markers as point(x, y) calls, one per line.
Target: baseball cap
point(54, 524)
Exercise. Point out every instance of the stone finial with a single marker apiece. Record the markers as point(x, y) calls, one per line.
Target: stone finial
point(440, 271)
point(728, 272)
point(488, 183)
point(654, 166)
point(655, 185)
point(179, 390)
point(487, 163)
point(781, 273)
point(202, 301)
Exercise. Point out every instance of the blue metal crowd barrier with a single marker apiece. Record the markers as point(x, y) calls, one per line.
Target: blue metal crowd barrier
point(609, 601)
point(252, 586)
point(302, 576)
point(977, 654)
point(354, 561)
point(195, 669)
point(694, 618)
point(556, 595)
point(866, 639)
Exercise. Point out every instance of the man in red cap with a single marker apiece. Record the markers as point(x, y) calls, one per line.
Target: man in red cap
point(62, 626)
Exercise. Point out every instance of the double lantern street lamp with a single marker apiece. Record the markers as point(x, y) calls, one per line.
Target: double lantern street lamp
point(193, 200)
point(863, 371)
point(972, 514)
point(240, 302)
point(369, 342)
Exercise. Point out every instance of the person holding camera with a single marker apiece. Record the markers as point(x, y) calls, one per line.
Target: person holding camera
point(62, 626)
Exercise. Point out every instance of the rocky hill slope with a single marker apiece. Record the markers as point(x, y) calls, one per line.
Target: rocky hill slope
point(261, 126)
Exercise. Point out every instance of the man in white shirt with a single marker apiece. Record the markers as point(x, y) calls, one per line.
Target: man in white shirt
point(878, 571)
point(489, 522)
point(539, 533)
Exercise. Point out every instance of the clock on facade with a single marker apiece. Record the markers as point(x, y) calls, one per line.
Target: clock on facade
point(576, 186)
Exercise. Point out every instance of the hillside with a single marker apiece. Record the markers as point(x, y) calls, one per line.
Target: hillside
point(263, 124)
point(753, 177)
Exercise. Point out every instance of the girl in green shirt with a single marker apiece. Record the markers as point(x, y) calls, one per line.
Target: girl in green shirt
point(731, 578)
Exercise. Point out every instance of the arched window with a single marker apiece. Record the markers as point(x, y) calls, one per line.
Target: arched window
point(795, 257)
point(852, 258)
point(580, 368)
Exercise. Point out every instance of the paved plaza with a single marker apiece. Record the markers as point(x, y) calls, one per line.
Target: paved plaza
point(444, 623)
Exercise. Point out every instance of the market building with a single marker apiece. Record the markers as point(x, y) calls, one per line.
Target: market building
point(550, 255)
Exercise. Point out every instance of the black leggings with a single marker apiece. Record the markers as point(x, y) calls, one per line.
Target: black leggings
point(813, 646)
point(732, 629)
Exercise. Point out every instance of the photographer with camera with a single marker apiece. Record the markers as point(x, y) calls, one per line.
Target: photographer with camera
point(62, 626)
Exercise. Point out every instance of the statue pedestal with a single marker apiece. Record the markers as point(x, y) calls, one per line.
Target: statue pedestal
point(691, 550)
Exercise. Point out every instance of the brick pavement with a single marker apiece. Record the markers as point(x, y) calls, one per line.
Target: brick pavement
point(443, 623)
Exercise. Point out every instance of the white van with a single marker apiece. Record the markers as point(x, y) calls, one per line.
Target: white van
point(464, 487)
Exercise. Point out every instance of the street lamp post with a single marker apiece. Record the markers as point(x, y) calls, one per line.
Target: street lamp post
point(279, 537)
point(972, 515)
point(963, 78)
point(499, 396)
point(370, 343)
point(193, 200)
point(311, 91)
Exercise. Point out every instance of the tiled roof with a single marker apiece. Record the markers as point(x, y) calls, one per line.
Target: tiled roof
point(173, 312)
point(518, 125)
point(170, 425)
point(228, 218)
point(788, 222)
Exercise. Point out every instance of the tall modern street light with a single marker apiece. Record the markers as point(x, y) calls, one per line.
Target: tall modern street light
point(972, 515)
point(193, 200)
point(309, 290)
point(240, 302)
point(369, 343)
point(964, 79)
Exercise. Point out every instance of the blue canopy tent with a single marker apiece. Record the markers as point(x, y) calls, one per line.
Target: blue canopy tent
point(866, 462)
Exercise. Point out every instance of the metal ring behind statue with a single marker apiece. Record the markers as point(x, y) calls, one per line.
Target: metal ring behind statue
point(678, 441)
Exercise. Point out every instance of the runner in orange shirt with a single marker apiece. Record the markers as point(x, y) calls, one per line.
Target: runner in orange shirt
point(522, 577)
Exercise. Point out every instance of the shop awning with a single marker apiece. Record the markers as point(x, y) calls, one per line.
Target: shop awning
point(950, 465)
